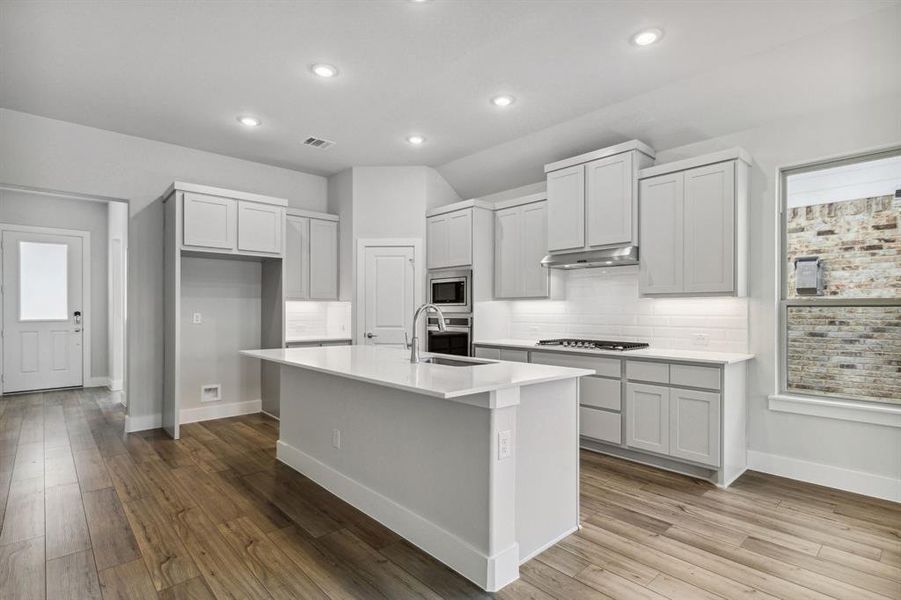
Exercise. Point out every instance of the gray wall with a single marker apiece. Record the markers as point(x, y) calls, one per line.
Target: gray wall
point(38, 210)
point(227, 295)
point(51, 154)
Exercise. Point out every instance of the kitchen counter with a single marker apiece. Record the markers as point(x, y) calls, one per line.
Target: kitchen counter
point(391, 367)
point(698, 356)
point(477, 465)
point(313, 339)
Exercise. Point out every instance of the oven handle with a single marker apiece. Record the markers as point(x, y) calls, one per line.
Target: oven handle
point(448, 329)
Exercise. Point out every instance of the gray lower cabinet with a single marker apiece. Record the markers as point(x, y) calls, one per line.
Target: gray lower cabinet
point(677, 422)
point(316, 344)
point(507, 354)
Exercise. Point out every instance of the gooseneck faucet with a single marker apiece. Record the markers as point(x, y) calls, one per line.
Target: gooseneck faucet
point(414, 343)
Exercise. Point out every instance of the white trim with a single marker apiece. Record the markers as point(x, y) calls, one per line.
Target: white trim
point(461, 205)
point(218, 411)
point(359, 270)
point(835, 408)
point(629, 146)
point(554, 542)
point(116, 385)
point(197, 188)
point(143, 422)
point(697, 161)
point(92, 382)
point(520, 201)
point(488, 572)
point(859, 482)
point(311, 214)
point(87, 315)
point(270, 415)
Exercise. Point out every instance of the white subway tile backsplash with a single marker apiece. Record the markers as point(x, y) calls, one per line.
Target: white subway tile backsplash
point(605, 303)
point(317, 318)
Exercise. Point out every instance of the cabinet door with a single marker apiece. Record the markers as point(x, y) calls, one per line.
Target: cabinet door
point(437, 240)
point(297, 258)
point(695, 426)
point(260, 227)
point(566, 209)
point(459, 238)
point(489, 353)
point(507, 260)
point(710, 228)
point(210, 221)
point(647, 417)
point(533, 227)
point(608, 198)
point(323, 259)
point(514, 355)
point(660, 257)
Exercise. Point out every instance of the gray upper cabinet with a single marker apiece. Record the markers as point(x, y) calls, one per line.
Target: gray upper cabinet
point(323, 259)
point(566, 197)
point(610, 200)
point(449, 238)
point(260, 227)
point(297, 258)
point(210, 221)
point(592, 198)
point(694, 229)
point(660, 270)
point(520, 241)
point(311, 257)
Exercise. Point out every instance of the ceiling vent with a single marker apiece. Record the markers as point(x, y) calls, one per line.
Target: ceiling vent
point(320, 143)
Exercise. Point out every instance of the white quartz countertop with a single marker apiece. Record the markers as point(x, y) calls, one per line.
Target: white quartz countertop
point(698, 356)
point(312, 339)
point(391, 367)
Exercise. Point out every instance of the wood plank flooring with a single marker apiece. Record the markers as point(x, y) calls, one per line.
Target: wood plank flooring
point(88, 512)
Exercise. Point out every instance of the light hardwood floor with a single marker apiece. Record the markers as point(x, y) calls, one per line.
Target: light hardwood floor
point(88, 512)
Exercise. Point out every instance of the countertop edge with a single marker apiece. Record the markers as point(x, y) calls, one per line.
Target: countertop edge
point(717, 358)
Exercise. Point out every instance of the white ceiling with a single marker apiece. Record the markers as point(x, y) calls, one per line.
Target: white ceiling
point(180, 72)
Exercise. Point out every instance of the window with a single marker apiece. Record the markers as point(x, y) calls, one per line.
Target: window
point(43, 281)
point(840, 309)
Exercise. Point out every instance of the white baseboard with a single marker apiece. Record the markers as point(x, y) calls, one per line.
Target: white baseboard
point(143, 422)
point(488, 572)
point(219, 411)
point(269, 415)
point(92, 382)
point(116, 385)
point(859, 482)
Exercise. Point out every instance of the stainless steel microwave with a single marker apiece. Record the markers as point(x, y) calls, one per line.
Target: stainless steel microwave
point(451, 290)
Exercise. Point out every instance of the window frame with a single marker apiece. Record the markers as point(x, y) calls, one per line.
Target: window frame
point(783, 302)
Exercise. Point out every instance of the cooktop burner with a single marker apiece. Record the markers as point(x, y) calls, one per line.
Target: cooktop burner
point(593, 344)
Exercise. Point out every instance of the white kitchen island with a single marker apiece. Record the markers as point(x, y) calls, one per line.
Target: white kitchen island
point(478, 465)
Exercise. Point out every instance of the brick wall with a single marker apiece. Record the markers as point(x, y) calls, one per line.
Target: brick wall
point(851, 352)
point(858, 242)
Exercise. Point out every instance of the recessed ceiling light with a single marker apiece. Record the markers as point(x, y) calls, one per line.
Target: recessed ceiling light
point(248, 121)
point(503, 100)
point(646, 37)
point(416, 140)
point(324, 70)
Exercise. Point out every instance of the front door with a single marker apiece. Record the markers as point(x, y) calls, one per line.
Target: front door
point(389, 278)
point(42, 311)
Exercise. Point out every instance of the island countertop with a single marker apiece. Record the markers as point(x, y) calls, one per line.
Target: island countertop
point(391, 367)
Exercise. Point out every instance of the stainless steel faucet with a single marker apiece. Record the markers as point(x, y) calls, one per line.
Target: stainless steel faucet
point(414, 343)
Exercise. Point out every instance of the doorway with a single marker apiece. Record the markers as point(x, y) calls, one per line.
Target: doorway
point(46, 299)
point(389, 286)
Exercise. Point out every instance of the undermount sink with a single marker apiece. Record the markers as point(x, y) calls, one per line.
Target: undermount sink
point(452, 362)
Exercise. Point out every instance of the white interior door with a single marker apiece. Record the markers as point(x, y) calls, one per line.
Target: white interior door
point(42, 311)
point(389, 289)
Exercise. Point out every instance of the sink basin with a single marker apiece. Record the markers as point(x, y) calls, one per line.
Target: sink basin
point(452, 362)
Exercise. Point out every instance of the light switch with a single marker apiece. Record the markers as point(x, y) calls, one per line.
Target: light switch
point(504, 444)
point(198, 318)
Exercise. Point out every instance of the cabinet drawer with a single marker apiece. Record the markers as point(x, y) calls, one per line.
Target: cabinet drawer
point(692, 376)
point(601, 393)
point(514, 355)
point(606, 367)
point(641, 370)
point(490, 353)
point(600, 425)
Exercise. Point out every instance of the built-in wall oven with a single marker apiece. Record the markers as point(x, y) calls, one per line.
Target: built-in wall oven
point(455, 339)
point(450, 290)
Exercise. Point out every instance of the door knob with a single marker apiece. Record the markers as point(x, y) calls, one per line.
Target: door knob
point(77, 315)
point(370, 335)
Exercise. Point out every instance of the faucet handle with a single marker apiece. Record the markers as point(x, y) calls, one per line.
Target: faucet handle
point(406, 341)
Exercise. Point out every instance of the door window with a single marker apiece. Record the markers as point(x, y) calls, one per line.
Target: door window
point(43, 281)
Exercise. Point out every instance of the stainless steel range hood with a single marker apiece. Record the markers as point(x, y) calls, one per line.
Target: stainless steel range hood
point(611, 257)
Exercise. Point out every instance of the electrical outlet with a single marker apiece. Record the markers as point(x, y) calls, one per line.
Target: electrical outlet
point(504, 444)
point(336, 438)
point(198, 318)
point(211, 392)
point(700, 339)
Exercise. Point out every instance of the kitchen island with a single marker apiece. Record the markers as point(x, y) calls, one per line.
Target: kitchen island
point(477, 463)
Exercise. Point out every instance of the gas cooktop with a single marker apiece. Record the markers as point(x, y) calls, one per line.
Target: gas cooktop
point(593, 344)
